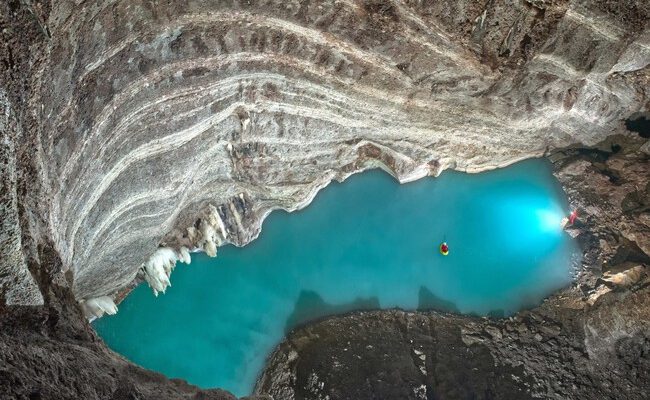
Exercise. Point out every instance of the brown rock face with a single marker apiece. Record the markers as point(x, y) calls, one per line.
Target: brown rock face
point(48, 351)
point(51, 352)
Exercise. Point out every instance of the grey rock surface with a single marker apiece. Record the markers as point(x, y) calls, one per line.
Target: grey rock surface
point(16, 281)
point(52, 353)
point(183, 124)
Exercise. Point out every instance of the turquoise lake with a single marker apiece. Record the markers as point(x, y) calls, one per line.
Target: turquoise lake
point(364, 244)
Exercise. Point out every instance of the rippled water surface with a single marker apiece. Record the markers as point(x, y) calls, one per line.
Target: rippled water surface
point(366, 243)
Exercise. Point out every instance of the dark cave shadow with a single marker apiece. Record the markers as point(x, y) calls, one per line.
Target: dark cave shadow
point(429, 301)
point(310, 306)
point(639, 123)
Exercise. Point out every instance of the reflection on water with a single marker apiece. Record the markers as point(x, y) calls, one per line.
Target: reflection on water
point(311, 306)
point(429, 301)
point(367, 243)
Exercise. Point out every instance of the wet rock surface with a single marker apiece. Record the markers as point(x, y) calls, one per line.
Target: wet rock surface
point(588, 341)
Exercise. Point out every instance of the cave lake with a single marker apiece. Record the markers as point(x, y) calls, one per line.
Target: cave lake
point(366, 243)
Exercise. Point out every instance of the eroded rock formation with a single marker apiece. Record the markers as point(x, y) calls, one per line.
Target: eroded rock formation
point(184, 124)
point(52, 353)
point(134, 132)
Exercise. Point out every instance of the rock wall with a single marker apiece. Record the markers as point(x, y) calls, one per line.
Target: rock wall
point(184, 124)
point(50, 352)
point(18, 214)
point(16, 282)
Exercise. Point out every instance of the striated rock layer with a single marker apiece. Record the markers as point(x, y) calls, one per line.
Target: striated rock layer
point(184, 124)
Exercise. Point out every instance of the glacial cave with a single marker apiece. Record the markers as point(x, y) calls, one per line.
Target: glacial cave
point(135, 133)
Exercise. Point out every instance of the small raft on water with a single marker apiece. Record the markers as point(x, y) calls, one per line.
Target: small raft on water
point(444, 249)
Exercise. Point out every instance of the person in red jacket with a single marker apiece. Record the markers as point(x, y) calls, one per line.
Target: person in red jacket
point(566, 222)
point(444, 249)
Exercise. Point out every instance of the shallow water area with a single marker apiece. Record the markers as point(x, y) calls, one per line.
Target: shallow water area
point(364, 244)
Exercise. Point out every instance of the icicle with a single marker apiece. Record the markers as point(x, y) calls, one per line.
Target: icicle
point(158, 269)
point(209, 236)
point(210, 248)
point(184, 255)
point(192, 234)
point(97, 306)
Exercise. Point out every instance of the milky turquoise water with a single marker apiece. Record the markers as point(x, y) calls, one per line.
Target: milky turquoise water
point(366, 243)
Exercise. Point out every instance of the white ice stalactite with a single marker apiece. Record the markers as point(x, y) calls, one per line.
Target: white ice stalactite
point(215, 220)
point(192, 234)
point(184, 255)
point(209, 240)
point(158, 269)
point(97, 306)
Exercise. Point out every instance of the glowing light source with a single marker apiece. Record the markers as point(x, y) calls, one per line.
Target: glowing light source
point(549, 220)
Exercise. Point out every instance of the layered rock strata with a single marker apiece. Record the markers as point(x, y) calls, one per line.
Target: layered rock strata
point(183, 125)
